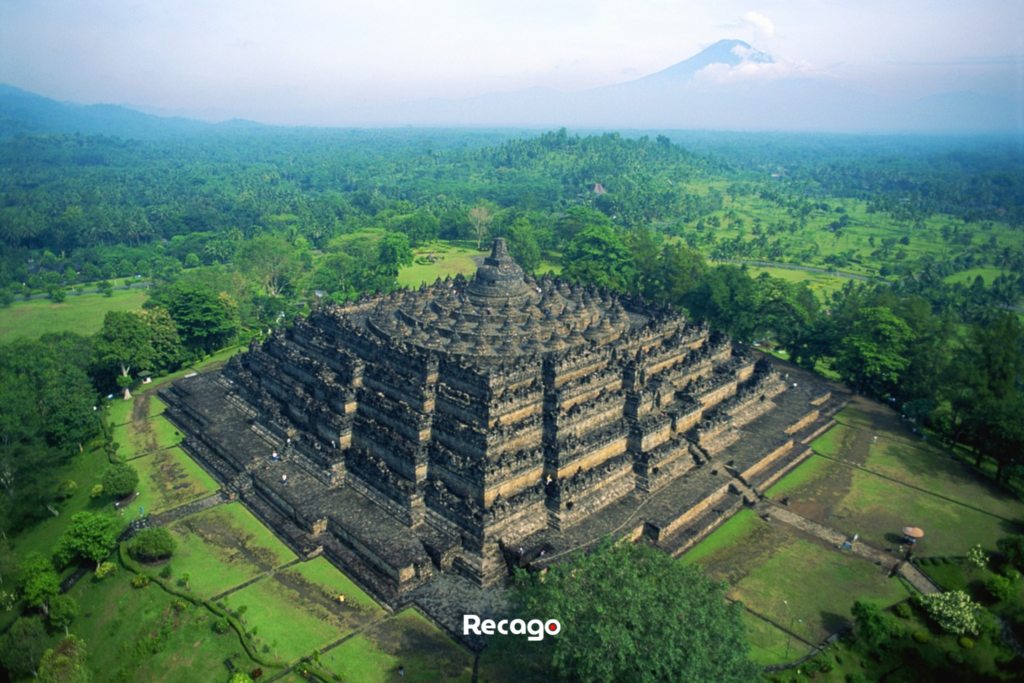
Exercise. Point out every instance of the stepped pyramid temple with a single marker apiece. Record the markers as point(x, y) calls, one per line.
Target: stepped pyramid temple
point(467, 427)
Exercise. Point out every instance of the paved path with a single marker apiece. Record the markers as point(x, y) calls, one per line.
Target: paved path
point(836, 538)
point(165, 518)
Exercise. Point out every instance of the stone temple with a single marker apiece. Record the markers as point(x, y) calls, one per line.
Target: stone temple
point(471, 426)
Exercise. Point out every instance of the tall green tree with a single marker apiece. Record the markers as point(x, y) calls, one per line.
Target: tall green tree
point(63, 610)
point(633, 614)
point(207, 319)
point(22, 646)
point(522, 245)
point(89, 537)
point(873, 354)
point(124, 344)
point(39, 582)
point(599, 256)
point(394, 253)
point(269, 260)
point(168, 352)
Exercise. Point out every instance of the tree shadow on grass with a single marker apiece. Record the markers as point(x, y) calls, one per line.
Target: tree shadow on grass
point(832, 622)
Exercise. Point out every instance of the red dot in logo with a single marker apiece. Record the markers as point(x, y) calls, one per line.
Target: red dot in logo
point(551, 627)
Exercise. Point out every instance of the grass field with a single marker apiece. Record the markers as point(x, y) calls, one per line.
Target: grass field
point(813, 242)
point(781, 575)
point(134, 634)
point(296, 610)
point(821, 284)
point(86, 470)
point(145, 435)
point(81, 313)
point(224, 547)
point(770, 645)
point(170, 478)
point(865, 486)
point(968, 276)
point(406, 639)
point(453, 260)
point(889, 478)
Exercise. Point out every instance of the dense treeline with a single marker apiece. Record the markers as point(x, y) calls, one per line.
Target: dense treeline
point(972, 179)
point(236, 233)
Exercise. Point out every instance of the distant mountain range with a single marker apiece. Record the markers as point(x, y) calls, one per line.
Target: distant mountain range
point(727, 86)
point(22, 112)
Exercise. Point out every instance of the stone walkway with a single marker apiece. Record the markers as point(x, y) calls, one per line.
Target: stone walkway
point(836, 538)
point(165, 518)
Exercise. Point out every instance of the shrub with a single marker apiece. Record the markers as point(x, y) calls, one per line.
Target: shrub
point(952, 611)
point(1001, 588)
point(921, 637)
point(106, 569)
point(120, 480)
point(165, 573)
point(221, 625)
point(1013, 548)
point(97, 491)
point(140, 581)
point(903, 610)
point(856, 678)
point(1009, 572)
point(812, 666)
point(966, 642)
point(955, 657)
point(153, 544)
point(66, 489)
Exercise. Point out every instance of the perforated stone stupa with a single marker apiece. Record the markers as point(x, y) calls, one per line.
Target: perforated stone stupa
point(469, 426)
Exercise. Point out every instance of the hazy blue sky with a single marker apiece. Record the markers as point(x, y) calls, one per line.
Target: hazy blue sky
point(289, 61)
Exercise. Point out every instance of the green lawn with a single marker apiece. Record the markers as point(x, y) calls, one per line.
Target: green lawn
point(325, 575)
point(296, 610)
point(144, 436)
point(122, 628)
point(814, 580)
point(406, 639)
point(832, 442)
point(821, 284)
point(771, 565)
point(170, 478)
point(452, 262)
point(223, 547)
point(85, 469)
point(770, 645)
point(82, 313)
point(858, 502)
point(968, 276)
point(935, 470)
point(731, 532)
point(808, 470)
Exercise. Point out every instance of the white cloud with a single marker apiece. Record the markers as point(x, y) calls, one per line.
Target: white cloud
point(752, 68)
point(761, 23)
